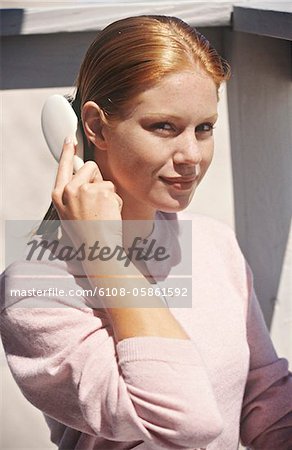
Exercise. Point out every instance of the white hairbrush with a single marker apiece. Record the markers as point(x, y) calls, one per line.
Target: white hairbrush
point(58, 121)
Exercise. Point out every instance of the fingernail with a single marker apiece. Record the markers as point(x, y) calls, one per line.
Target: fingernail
point(68, 140)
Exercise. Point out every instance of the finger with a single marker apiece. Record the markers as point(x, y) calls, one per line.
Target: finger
point(65, 168)
point(97, 175)
point(77, 163)
point(120, 201)
point(85, 174)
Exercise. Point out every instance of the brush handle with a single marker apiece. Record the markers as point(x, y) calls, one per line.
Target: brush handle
point(58, 121)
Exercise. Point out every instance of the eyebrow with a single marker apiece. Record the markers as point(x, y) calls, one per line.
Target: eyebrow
point(173, 116)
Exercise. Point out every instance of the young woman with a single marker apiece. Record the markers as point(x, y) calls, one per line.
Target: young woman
point(130, 372)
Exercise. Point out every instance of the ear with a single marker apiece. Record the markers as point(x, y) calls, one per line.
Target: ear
point(94, 121)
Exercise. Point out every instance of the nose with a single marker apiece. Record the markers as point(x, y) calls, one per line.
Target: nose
point(188, 150)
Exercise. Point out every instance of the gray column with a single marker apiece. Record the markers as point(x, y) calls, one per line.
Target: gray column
point(260, 113)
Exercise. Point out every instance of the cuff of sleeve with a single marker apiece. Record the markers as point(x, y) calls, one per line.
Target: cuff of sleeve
point(182, 351)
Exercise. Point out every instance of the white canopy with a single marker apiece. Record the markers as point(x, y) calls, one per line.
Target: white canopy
point(37, 17)
point(52, 17)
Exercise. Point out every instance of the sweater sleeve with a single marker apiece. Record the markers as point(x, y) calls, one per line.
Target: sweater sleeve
point(67, 364)
point(266, 420)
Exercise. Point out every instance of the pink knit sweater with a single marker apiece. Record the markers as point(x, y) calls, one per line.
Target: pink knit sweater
point(148, 393)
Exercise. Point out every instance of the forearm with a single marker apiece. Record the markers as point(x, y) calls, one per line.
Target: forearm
point(133, 322)
point(132, 315)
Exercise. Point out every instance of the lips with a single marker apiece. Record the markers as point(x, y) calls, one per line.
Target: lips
point(179, 179)
point(182, 184)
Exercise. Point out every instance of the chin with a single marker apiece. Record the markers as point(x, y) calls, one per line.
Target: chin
point(175, 205)
point(173, 208)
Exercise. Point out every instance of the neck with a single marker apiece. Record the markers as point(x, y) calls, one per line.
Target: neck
point(136, 225)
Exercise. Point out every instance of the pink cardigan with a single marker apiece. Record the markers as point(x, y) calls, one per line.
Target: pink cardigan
point(148, 393)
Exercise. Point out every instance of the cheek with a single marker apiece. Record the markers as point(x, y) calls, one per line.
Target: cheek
point(137, 153)
point(207, 159)
point(129, 163)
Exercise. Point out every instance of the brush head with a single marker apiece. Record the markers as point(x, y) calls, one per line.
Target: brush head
point(58, 121)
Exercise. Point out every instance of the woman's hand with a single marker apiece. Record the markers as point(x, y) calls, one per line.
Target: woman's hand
point(84, 196)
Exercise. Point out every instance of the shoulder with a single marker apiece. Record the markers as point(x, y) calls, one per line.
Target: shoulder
point(211, 232)
point(207, 223)
point(208, 234)
point(215, 246)
point(42, 280)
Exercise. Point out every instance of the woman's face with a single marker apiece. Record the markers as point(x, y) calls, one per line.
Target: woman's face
point(168, 135)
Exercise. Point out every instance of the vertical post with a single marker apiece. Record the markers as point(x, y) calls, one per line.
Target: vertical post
point(260, 114)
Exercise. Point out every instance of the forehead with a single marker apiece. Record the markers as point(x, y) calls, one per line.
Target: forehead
point(186, 93)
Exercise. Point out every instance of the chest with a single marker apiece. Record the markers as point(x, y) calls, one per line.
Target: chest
point(216, 323)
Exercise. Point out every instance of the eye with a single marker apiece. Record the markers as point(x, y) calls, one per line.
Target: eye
point(205, 129)
point(162, 126)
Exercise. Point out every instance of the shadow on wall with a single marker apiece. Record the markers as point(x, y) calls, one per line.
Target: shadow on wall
point(259, 100)
point(56, 56)
point(11, 21)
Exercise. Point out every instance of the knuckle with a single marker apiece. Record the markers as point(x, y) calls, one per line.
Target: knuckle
point(110, 185)
point(84, 188)
point(90, 164)
point(120, 200)
point(55, 196)
point(103, 193)
point(68, 190)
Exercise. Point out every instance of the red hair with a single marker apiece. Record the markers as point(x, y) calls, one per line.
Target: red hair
point(132, 54)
